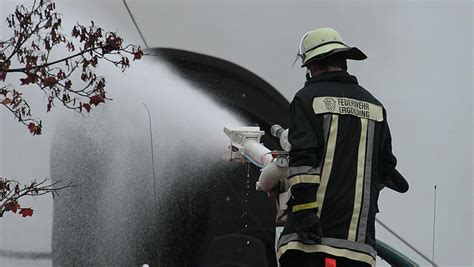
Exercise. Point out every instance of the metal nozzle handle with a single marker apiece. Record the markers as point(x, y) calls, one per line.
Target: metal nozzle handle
point(276, 130)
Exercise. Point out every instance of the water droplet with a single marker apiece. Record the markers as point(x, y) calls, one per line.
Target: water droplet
point(248, 242)
point(248, 170)
point(227, 199)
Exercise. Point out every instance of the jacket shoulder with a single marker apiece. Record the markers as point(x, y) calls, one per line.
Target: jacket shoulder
point(369, 96)
point(310, 91)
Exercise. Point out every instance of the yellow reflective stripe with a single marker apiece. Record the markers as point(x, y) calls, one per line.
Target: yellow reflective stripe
point(359, 181)
point(347, 106)
point(305, 178)
point(338, 252)
point(305, 206)
point(330, 148)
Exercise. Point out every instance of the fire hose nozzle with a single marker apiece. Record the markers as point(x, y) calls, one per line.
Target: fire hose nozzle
point(245, 145)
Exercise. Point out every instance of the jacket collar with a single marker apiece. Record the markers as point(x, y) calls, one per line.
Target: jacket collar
point(335, 76)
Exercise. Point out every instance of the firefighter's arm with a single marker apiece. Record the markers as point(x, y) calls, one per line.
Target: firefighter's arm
point(303, 172)
point(389, 161)
point(393, 179)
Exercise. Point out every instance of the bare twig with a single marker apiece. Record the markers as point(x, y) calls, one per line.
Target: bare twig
point(12, 191)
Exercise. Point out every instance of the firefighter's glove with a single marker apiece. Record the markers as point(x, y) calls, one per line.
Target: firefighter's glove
point(307, 225)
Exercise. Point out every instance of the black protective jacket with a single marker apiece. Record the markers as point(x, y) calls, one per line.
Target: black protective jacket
point(340, 157)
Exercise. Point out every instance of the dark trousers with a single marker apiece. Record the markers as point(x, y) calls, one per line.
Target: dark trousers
point(295, 258)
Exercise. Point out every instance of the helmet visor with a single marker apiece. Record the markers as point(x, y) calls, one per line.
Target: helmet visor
point(331, 49)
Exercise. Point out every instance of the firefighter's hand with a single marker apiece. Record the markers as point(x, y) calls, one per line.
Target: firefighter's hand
point(307, 226)
point(310, 235)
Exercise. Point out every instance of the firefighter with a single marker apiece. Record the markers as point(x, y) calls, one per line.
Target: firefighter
point(340, 158)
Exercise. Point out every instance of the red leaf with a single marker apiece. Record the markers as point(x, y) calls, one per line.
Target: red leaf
point(11, 206)
point(26, 212)
point(137, 55)
point(95, 100)
point(35, 129)
point(68, 84)
point(3, 73)
point(50, 81)
point(6, 101)
point(5, 66)
point(26, 81)
point(87, 107)
point(31, 78)
point(75, 32)
point(50, 104)
point(32, 127)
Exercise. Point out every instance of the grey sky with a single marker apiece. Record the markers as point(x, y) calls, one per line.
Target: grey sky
point(419, 65)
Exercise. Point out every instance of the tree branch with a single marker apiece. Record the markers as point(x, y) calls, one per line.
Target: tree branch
point(51, 63)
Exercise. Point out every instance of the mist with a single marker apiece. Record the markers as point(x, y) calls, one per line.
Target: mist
point(182, 119)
